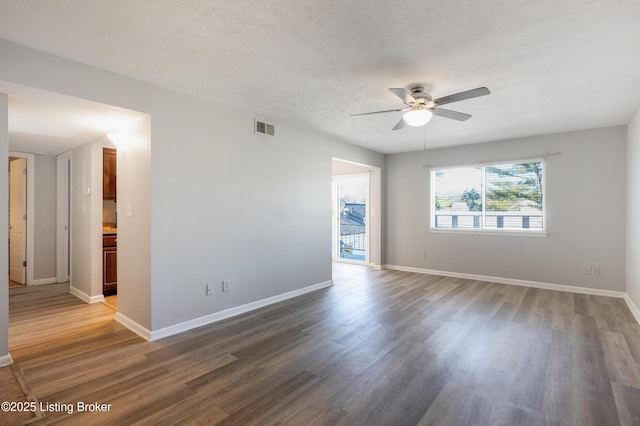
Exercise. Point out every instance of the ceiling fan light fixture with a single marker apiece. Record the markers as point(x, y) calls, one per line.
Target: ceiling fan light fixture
point(417, 117)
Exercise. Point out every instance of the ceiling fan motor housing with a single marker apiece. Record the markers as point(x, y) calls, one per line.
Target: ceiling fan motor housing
point(419, 93)
point(423, 99)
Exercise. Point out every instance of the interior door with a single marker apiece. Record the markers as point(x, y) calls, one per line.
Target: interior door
point(17, 220)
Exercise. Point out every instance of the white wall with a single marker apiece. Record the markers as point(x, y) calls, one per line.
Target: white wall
point(4, 234)
point(224, 203)
point(633, 209)
point(585, 212)
point(44, 262)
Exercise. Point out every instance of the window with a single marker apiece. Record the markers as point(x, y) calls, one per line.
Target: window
point(500, 197)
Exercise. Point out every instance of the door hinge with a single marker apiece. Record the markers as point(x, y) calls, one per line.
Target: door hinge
point(24, 217)
point(24, 263)
point(24, 172)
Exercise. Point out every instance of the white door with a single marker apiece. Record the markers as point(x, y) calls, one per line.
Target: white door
point(17, 220)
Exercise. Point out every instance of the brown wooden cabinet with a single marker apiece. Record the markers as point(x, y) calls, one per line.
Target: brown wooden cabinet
point(109, 265)
point(109, 174)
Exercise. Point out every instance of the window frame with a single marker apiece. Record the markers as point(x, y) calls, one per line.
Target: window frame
point(488, 231)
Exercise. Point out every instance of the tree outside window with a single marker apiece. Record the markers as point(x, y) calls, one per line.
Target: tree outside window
point(496, 196)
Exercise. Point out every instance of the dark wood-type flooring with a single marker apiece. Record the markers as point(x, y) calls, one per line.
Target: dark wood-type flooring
point(378, 348)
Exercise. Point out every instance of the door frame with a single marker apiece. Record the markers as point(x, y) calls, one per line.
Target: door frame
point(374, 204)
point(30, 210)
point(64, 163)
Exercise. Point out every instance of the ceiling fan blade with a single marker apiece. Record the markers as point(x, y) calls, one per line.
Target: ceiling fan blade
point(378, 112)
point(460, 116)
point(473, 93)
point(400, 125)
point(404, 95)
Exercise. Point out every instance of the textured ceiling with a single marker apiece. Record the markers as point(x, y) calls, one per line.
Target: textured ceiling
point(552, 65)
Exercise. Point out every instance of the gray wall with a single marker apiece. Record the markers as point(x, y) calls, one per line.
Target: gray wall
point(228, 204)
point(86, 220)
point(585, 210)
point(134, 251)
point(633, 209)
point(44, 263)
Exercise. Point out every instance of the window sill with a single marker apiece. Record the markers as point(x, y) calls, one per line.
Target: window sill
point(502, 233)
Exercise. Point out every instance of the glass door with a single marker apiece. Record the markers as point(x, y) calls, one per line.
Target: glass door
point(350, 230)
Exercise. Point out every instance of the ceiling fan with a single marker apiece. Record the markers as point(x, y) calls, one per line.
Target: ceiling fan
point(420, 107)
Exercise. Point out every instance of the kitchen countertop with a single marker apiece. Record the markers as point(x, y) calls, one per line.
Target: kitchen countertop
point(109, 230)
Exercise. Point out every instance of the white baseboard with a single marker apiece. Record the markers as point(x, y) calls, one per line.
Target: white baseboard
point(351, 261)
point(85, 297)
point(141, 331)
point(514, 281)
point(525, 283)
point(43, 281)
point(232, 312)
point(5, 360)
point(357, 262)
point(632, 307)
point(97, 299)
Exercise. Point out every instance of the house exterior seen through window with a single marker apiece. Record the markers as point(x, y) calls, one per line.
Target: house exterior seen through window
point(501, 196)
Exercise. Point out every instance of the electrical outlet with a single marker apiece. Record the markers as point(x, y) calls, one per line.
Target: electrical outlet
point(595, 271)
point(225, 286)
point(208, 291)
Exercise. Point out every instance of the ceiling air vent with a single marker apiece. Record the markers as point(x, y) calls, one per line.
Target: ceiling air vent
point(264, 128)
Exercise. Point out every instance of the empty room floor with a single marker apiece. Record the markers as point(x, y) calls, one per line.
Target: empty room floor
point(379, 347)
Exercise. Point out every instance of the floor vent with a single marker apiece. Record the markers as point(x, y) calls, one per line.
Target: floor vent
point(265, 128)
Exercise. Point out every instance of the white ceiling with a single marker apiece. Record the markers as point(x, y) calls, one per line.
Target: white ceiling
point(48, 123)
point(552, 65)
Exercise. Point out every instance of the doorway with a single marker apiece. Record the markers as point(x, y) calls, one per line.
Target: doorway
point(351, 229)
point(81, 202)
point(360, 210)
point(21, 219)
